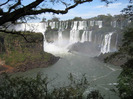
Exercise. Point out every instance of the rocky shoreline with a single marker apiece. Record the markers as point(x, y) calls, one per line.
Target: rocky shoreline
point(117, 60)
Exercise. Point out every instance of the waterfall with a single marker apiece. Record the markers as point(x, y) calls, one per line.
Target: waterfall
point(82, 25)
point(74, 33)
point(66, 24)
point(72, 23)
point(74, 36)
point(100, 24)
point(32, 27)
point(90, 36)
point(84, 36)
point(75, 25)
point(60, 39)
point(60, 25)
point(105, 48)
point(91, 23)
point(52, 24)
point(68, 32)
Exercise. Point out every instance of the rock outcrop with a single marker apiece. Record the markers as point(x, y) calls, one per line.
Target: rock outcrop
point(112, 58)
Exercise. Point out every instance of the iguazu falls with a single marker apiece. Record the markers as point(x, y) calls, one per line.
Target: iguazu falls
point(78, 56)
point(67, 33)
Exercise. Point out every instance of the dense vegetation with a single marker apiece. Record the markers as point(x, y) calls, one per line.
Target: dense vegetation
point(126, 77)
point(37, 88)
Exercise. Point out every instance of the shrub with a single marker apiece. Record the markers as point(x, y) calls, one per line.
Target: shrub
point(37, 88)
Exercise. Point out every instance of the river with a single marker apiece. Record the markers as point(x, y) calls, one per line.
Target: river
point(100, 75)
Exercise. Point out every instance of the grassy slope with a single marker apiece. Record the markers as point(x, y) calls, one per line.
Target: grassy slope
point(17, 52)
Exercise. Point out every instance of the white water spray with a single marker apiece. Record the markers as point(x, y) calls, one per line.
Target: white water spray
point(106, 43)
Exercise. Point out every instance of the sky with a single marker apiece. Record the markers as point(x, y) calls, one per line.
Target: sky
point(92, 9)
point(87, 10)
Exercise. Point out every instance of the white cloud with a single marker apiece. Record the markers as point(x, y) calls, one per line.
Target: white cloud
point(89, 10)
point(113, 5)
point(72, 13)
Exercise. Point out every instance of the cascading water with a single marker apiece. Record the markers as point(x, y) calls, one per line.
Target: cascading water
point(91, 23)
point(52, 24)
point(74, 33)
point(73, 30)
point(66, 25)
point(82, 25)
point(97, 23)
point(105, 48)
point(90, 36)
point(74, 36)
point(84, 36)
point(60, 38)
point(33, 27)
point(100, 24)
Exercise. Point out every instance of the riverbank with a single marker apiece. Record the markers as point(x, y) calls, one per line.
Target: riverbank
point(22, 54)
point(30, 65)
point(37, 64)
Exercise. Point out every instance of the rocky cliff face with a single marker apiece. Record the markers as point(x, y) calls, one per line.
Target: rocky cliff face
point(22, 54)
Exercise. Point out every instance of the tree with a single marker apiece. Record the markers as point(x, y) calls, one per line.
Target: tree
point(43, 19)
point(55, 19)
point(128, 12)
point(12, 10)
point(16, 9)
point(77, 19)
point(125, 80)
